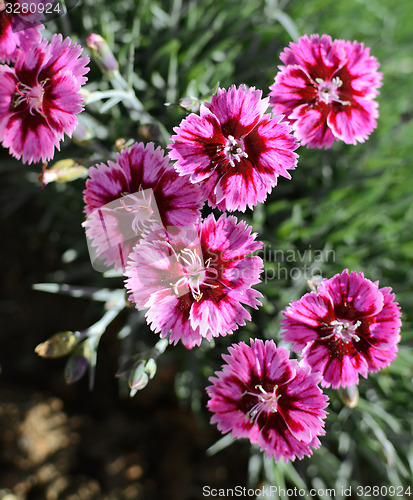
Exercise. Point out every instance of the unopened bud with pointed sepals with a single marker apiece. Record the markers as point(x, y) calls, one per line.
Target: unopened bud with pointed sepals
point(75, 368)
point(63, 171)
point(82, 134)
point(138, 378)
point(191, 104)
point(140, 375)
point(314, 283)
point(349, 395)
point(60, 344)
point(78, 362)
point(102, 54)
point(151, 368)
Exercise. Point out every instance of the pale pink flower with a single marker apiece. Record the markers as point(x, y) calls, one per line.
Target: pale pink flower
point(264, 396)
point(125, 198)
point(234, 150)
point(326, 90)
point(193, 282)
point(348, 327)
point(40, 97)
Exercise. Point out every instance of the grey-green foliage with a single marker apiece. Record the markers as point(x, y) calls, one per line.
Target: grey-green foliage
point(352, 201)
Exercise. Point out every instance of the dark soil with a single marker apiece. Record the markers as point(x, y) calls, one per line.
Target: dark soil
point(60, 441)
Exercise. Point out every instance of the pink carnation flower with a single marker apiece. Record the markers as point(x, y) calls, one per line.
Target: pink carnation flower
point(193, 282)
point(326, 90)
point(13, 36)
point(263, 396)
point(40, 97)
point(124, 199)
point(233, 149)
point(19, 27)
point(348, 327)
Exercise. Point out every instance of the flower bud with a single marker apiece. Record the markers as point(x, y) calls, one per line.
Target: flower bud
point(122, 143)
point(191, 104)
point(63, 171)
point(82, 134)
point(102, 54)
point(138, 378)
point(60, 344)
point(314, 283)
point(140, 375)
point(79, 361)
point(349, 395)
point(75, 368)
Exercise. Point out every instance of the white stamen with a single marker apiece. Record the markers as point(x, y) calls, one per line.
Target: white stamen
point(141, 207)
point(267, 401)
point(33, 96)
point(234, 150)
point(345, 330)
point(328, 91)
point(195, 273)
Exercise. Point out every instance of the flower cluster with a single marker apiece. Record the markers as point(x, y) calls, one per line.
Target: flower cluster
point(195, 276)
point(349, 326)
point(192, 276)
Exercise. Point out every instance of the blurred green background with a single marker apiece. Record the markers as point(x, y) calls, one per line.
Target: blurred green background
point(347, 207)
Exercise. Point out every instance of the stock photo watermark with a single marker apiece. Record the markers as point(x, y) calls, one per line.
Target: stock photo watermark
point(115, 229)
point(26, 14)
point(294, 264)
point(272, 491)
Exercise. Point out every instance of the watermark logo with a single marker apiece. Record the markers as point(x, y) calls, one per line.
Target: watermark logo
point(115, 228)
point(294, 264)
point(171, 257)
point(26, 14)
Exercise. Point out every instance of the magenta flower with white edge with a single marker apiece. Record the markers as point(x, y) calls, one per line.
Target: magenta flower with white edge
point(125, 198)
point(234, 150)
point(12, 35)
point(40, 97)
point(326, 90)
point(193, 282)
point(348, 327)
point(273, 401)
